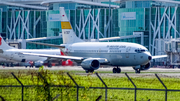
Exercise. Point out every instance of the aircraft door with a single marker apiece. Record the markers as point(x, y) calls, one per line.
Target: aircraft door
point(127, 51)
point(99, 51)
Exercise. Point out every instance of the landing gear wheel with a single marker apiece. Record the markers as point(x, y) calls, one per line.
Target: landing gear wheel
point(118, 70)
point(12, 65)
point(114, 70)
point(37, 66)
point(138, 71)
point(7, 65)
point(49, 65)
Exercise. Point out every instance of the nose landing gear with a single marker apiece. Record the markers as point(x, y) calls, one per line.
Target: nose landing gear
point(116, 70)
point(89, 71)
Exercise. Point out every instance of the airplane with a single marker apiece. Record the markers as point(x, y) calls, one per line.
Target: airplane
point(90, 55)
point(10, 54)
point(6, 62)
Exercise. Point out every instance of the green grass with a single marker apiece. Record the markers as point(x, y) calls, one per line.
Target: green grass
point(38, 93)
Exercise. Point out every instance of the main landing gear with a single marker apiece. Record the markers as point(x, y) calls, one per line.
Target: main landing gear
point(138, 71)
point(116, 70)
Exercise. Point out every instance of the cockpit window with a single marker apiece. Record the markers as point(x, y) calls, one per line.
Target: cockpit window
point(143, 50)
point(140, 50)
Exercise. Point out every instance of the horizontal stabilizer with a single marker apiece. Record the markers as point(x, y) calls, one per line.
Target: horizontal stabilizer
point(51, 45)
point(159, 56)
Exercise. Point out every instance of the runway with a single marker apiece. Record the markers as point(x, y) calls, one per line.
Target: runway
point(79, 68)
point(105, 69)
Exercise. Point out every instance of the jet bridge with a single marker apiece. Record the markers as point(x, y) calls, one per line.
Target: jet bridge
point(172, 48)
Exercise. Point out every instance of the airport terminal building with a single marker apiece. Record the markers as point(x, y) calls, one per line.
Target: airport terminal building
point(147, 22)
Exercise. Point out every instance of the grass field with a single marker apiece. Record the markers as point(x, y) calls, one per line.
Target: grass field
point(36, 92)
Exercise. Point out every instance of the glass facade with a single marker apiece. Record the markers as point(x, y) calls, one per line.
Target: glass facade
point(70, 6)
point(53, 27)
point(164, 25)
point(93, 22)
point(4, 21)
point(128, 26)
point(138, 4)
point(50, 41)
point(74, 6)
point(42, 24)
point(20, 24)
point(146, 4)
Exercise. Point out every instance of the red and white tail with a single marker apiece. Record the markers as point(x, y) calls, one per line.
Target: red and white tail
point(67, 32)
point(62, 53)
point(66, 62)
point(3, 44)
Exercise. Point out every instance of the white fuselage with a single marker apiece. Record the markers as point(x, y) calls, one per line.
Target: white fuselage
point(4, 60)
point(117, 53)
point(17, 56)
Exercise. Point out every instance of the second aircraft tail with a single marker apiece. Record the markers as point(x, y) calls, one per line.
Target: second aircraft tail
point(67, 32)
point(3, 44)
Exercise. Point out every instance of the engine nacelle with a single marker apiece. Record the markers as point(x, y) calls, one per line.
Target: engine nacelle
point(90, 64)
point(146, 67)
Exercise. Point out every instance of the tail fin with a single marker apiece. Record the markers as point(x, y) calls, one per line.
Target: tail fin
point(67, 32)
point(62, 53)
point(3, 44)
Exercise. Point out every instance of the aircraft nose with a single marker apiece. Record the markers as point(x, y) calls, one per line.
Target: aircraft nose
point(149, 57)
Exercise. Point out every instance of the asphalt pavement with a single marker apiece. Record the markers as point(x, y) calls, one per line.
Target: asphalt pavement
point(107, 71)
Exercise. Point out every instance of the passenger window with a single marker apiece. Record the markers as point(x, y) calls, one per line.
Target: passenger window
point(140, 50)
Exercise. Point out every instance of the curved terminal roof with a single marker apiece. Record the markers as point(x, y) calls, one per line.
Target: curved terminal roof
point(23, 5)
point(168, 1)
point(39, 3)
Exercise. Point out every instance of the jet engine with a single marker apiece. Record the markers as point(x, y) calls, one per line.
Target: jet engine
point(146, 67)
point(90, 64)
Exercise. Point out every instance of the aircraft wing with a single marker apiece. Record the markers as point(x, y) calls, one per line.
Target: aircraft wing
point(159, 56)
point(56, 56)
point(79, 59)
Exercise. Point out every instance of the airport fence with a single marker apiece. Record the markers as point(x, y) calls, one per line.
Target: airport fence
point(61, 86)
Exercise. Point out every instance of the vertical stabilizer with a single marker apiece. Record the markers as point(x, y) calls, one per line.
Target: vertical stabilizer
point(67, 32)
point(3, 44)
